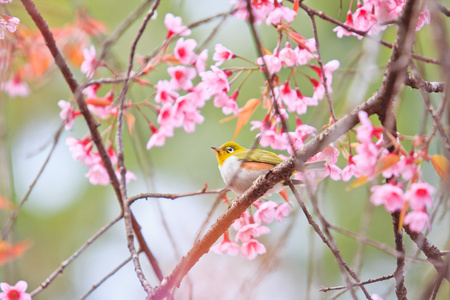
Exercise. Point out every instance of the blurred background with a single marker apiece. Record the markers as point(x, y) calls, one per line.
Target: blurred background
point(64, 210)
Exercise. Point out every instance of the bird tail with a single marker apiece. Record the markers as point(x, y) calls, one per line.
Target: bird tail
point(318, 165)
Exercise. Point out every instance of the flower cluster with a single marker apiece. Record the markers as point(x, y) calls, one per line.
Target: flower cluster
point(16, 292)
point(248, 227)
point(370, 16)
point(7, 23)
point(82, 150)
point(405, 188)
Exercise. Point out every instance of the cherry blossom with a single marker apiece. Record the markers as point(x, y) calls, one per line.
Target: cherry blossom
point(417, 220)
point(288, 56)
point(227, 103)
point(200, 62)
point(319, 89)
point(249, 231)
point(280, 14)
point(199, 94)
point(222, 54)
point(128, 175)
point(186, 112)
point(376, 297)
point(7, 23)
point(67, 114)
point(90, 63)
point(265, 212)
point(165, 93)
point(174, 26)
point(260, 10)
point(419, 195)
point(181, 77)
point(330, 154)
point(340, 31)
point(216, 80)
point(350, 170)
point(365, 20)
point(15, 87)
point(389, 195)
point(81, 151)
point(159, 136)
point(16, 292)
point(5, 1)
point(226, 246)
point(98, 175)
point(243, 220)
point(252, 248)
point(184, 51)
point(272, 61)
point(282, 211)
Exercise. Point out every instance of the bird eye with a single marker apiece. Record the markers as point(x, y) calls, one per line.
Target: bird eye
point(230, 150)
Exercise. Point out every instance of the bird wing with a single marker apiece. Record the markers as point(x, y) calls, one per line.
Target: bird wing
point(261, 156)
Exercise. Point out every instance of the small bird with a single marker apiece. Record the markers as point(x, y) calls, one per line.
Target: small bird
point(240, 167)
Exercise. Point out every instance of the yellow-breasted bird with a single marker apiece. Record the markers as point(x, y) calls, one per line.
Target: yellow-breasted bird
point(240, 167)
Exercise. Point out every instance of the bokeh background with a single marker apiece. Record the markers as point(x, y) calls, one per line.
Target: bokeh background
point(64, 210)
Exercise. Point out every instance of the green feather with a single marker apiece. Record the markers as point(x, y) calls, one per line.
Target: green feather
point(257, 155)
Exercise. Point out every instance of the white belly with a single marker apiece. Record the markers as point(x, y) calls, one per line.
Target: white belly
point(240, 180)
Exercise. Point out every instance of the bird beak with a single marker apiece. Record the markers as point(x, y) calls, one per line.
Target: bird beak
point(217, 150)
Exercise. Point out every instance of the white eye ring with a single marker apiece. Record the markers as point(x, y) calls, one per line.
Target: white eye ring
point(230, 150)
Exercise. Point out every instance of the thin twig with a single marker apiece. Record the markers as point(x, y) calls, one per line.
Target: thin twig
point(67, 262)
point(131, 224)
point(15, 212)
point(334, 288)
point(107, 276)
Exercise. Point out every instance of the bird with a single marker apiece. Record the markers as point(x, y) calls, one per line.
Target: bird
point(240, 166)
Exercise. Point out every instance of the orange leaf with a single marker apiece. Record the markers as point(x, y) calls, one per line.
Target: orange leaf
point(266, 52)
point(74, 54)
point(386, 162)
point(402, 215)
point(295, 6)
point(130, 119)
point(5, 203)
point(245, 113)
point(358, 182)
point(98, 101)
point(442, 166)
point(300, 40)
point(9, 251)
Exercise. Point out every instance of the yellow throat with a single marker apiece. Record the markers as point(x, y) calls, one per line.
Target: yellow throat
point(226, 150)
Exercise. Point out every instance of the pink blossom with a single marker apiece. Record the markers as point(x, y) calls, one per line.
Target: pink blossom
point(128, 176)
point(199, 94)
point(165, 93)
point(288, 56)
point(280, 14)
point(81, 151)
point(166, 117)
point(174, 26)
point(226, 246)
point(340, 31)
point(186, 111)
point(288, 95)
point(184, 51)
point(159, 136)
point(67, 114)
point(365, 132)
point(319, 89)
point(15, 87)
point(249, 231)
point(390, 195)
point(265, 212)
point(243, 220)
point(216, 79)
point(222, 54)
point(330, 154)
point(91, 91)
point(419, 195)
point(364, 20)
point(272, 61)
point(366, 159)
point(5, 1)
point(329, 68)
point(252, 248)
point(268, 136)
point(181, 77)
point(8, 23)
point(228, 104)
point(16, 292)
point(260, 10)
point(200, 62)
point(98, 175)
point(306, 53)
point(282, 211)
point(424, 18)
point(350, 170)
point(90, 63)
point(417, 220)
